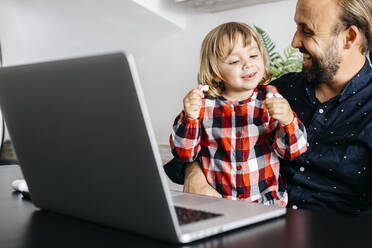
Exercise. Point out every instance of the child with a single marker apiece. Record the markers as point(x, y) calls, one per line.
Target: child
point(242, 126)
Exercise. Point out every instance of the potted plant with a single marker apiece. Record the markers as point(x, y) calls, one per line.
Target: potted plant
point(290, 61)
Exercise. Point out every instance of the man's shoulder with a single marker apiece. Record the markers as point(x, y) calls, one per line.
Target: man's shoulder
point(292, 78)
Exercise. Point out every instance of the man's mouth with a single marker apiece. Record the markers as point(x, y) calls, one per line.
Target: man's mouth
point(307, 59)
point(249, 75)
point(306, 56)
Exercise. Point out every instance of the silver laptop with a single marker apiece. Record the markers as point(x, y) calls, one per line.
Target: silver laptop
point(83, 136)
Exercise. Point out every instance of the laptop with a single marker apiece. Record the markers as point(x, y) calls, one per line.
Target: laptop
point(85, 144)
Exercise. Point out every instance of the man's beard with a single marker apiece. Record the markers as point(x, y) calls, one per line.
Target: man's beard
point(324, 68)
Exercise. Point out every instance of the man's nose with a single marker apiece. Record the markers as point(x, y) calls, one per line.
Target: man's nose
point(296, 40)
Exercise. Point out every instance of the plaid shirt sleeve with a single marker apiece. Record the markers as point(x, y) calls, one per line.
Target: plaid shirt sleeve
point(185, 138)
point(290, 141)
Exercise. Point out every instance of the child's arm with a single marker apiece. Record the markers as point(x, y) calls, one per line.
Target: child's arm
point(185, 137)
point(290, 139)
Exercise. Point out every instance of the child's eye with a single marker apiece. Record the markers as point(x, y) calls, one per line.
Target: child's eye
point(234, 62)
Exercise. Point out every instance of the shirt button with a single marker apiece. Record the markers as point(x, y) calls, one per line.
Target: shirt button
point(294, 207)
point(238, 134)
point(239, 167)
point(321, 111)
point(302, 169)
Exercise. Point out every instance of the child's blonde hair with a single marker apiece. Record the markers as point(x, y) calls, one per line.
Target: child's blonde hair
point(219, 40)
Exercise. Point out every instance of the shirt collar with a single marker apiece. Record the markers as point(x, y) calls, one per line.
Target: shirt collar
point(236, 103)
point(358, 82)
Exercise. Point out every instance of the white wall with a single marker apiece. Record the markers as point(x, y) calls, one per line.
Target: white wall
point(167, 55)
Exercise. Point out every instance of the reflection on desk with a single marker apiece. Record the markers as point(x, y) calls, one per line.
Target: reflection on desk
point(23, 225)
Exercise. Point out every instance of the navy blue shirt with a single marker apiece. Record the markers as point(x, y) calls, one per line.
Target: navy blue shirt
point(335, 173)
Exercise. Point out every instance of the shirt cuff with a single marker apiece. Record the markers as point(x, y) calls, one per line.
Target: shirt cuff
point(291, 127)
point(187, 121)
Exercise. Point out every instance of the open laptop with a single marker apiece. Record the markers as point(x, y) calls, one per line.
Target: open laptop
point(86, 147)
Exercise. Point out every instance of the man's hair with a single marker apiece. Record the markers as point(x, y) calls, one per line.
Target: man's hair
point(359, 14)
point(217, 45)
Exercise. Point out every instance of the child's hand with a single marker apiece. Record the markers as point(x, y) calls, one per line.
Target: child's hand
point(193, 102)
point(280, 110)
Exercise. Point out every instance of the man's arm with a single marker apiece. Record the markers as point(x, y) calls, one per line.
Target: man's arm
point(175, 170)
point(196, 183)
point(191, 175)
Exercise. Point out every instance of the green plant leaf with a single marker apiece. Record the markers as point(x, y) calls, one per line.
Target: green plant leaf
point(290, 61)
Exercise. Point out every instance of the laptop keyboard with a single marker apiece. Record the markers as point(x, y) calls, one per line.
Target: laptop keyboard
point(188, 215)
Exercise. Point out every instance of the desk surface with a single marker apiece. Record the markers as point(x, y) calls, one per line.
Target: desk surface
point(24, 225)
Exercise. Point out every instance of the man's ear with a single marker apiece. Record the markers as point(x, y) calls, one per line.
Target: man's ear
point(351, 37)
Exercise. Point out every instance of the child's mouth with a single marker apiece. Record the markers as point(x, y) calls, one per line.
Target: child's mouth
point(249, 75)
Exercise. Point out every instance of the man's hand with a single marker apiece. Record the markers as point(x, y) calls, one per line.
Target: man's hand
point(280, 110)
point(196, 183)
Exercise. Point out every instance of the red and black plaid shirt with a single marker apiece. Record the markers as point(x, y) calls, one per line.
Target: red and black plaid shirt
point(239, 145)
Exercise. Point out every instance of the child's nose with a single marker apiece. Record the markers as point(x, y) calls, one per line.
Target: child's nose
point(247, 64)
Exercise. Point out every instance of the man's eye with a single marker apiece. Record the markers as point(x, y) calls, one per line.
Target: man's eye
point(306, 32)
point(254, 56)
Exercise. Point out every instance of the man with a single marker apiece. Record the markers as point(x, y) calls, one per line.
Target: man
point(333, 98)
